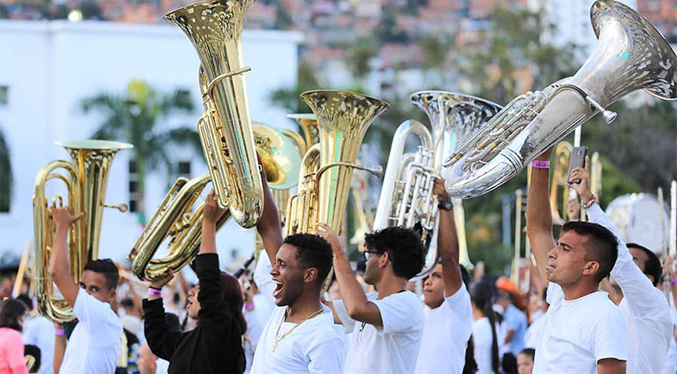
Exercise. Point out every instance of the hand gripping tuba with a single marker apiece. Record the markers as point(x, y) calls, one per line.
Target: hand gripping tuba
point(215, 29)
point(86, 179)
point(177, 218)
point(407, 193)
point(630, 55)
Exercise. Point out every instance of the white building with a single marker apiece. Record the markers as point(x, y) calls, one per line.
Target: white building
point(47, 68)
point(572, 21)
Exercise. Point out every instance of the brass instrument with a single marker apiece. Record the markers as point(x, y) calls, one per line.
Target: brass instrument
point(86, 179)
point(176, 219)
point(327, 167)
point(215, 30)
point(630, 55)
point(310, 128)
point(407, 194)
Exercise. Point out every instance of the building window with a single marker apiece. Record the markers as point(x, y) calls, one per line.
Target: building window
point(184, 169)
point(134, 194)
point(4, 95)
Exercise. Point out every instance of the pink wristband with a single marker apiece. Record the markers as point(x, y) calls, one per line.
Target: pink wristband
point(673, 282)
point(154, 292)
point(59, 332)
point(538, 164)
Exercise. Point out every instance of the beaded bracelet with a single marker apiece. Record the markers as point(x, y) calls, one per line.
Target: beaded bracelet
point(587, 205)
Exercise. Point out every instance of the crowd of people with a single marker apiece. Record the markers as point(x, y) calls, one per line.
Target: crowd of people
point(597, 305)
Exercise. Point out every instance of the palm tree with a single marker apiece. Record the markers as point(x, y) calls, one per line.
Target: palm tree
point(6, 177)
point(137, 117)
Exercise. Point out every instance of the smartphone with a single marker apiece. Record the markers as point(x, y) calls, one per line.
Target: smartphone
point(577, 159)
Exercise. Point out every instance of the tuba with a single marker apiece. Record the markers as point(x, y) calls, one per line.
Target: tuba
point(407, 193)
point(327, 167)
point(86, 179)
point(176, 218)
point(630, 55)
point(215, 29)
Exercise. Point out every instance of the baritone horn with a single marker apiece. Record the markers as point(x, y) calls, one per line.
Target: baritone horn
point(407, 193)
point(630, 55)
point(215, 30)
point(178, 219)
point(86, 179)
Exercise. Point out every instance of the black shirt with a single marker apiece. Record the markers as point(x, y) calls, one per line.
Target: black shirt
point(214, 346)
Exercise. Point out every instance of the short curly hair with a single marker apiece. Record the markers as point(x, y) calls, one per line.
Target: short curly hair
point(312, 251)
point(109, 270)
point(404, 248)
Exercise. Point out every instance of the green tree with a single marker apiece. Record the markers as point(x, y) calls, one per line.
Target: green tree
point(137, 117)
point(6, 176)
point(289, 97)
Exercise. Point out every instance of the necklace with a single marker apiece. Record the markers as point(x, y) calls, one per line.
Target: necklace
point(279, 338)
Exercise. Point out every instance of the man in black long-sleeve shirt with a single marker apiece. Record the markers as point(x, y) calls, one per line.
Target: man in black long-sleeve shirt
point(215, 345)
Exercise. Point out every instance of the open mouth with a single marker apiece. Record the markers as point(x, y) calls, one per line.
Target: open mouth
point(278, 287)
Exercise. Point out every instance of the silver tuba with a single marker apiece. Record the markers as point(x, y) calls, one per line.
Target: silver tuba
point(630, 55)
point(407, 193)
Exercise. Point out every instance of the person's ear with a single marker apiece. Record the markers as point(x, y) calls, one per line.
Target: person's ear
point(383, 260)
point(591, 267)
point(310, 275)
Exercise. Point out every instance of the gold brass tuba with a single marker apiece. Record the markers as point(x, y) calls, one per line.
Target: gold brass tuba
point(407, 193)
point(176, 219)
point(86, 179)
point(215, 29)
point(630, 55)
point(327, 167)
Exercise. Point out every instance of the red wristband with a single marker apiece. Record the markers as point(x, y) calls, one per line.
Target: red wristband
point(154, 292)
point(538, 164)
point(59, 332)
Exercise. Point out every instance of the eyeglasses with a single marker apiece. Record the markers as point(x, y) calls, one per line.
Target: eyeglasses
point(369, 254)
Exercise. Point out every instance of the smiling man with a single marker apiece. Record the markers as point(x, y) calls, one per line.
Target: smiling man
point(584, 332)
point(94, 345)
point(299, 336)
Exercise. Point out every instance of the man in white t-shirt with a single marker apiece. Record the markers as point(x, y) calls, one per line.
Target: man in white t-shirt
point(637, 272)
point(299, 336)
point(448, 325)
point(94, 345)
point(584, 332)
point(386, 326)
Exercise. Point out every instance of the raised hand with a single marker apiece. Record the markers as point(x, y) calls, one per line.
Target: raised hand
point(161, 282)
point(440, 192)
point(63, 218)
point(330, 236)
point(211, 212)
point(583, 188)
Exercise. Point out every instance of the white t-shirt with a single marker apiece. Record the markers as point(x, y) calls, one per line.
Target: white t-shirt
point(644, 308)
point(445, 335)
point(670, 365)
point(39, 331)
point(313, 347)
point(578, 333)
point(392, 349)
point(94, 345)
point(483, 340)
point(534, 332)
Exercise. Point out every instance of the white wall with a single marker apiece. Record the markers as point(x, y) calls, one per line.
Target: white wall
point(51, 66)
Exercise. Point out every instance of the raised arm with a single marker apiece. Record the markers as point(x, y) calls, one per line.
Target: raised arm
point(447, 242)
point(58, 261)
point(356, 302)
point(269, 225)
point(539, 217)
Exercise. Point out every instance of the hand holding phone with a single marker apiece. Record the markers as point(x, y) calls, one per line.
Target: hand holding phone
point(577, 159)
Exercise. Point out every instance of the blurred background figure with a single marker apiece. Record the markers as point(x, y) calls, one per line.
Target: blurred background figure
point(12, 314)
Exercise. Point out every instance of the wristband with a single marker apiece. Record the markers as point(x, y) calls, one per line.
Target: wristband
point(249, 307)
point(673, 282)
point(154, 292)
point(592, 201)
point(59, 332)
point(538, 164)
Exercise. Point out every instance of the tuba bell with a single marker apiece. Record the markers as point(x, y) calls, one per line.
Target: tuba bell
point(407, 192)
point(327, 167)
point(86, 179)
point(178, 219)
point(225, 129)
point(630, 55)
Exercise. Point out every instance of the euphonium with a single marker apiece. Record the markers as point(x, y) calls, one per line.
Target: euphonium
point(215, 29)
point(630, 55)
point(86, 179)
point(407, 194)
point(326, 169)
point(176, 217)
